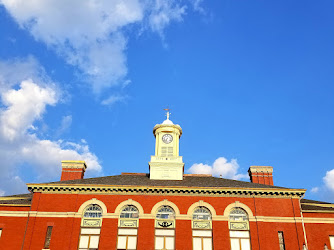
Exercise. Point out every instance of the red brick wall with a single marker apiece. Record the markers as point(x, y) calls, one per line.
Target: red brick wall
point(66, 230)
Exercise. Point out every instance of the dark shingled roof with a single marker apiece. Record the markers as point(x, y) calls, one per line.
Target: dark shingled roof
point(316, 208)
point(306, 201)
point(311, 205)
point(144, 180)
point(18, 199)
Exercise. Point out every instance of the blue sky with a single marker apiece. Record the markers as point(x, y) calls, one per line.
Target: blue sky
point(250, 83)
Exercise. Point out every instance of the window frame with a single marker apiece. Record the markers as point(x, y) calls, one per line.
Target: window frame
point(85, 234)
point(244, 219)
point(129, 219)
point(170, 219)
point(127, 237)
point(164, 237)
point(281, 244)
point(48, 236)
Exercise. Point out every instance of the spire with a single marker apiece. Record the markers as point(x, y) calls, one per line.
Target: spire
point(167, 113)
point(167, 121)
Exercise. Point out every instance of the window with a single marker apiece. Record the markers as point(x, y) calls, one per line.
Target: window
point(239, 229)
point(93, 211)
point(48, 237)
point(240, 240)
point(89, 238)
point(165, 212)
point(164, 239)
point(281, 240)
point(129, 212)
point(127, 228)
point(164, 232)
point(202, 233)
point(90, 228)
point(331, 240)
point(127, 239)
point(0, 232)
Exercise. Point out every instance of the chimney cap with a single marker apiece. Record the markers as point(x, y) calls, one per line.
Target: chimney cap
point(253, 169)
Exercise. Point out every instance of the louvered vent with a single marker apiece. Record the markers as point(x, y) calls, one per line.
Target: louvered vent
point(166, 151)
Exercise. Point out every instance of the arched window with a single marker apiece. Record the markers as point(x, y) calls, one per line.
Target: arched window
point(164, 228)
point(91, 223)
point(165, 213)
point(129, 212)
point(128, 228)
point(201, 214)
point(93, 211)
point(202, 232)
point(239, 229)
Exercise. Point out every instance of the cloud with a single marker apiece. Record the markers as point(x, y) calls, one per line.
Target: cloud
point(329, 180)
point(23, 105)
point(197, 5)
point(29, 69)
point(315, 190)
point(92, 35)
point(162, 13)
point(220, 167)
point(113, 99)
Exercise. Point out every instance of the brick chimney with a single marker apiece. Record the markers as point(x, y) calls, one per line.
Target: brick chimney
point(72, 170)
point(261, 175)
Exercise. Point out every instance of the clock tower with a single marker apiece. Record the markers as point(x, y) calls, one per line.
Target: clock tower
point(166, 164)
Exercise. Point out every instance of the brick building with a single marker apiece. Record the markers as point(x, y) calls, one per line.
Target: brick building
point(165, 209)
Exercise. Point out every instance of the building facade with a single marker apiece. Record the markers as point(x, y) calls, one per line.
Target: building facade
point(164, 209)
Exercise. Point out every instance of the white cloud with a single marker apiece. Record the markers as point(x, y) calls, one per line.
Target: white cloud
point(315, 190)
point(92, 35)
point(197, 5)
point(23, 105)
point(29, 69)
point(329, 180)
point(162, 13)
point(221, 166)
point(113, 99)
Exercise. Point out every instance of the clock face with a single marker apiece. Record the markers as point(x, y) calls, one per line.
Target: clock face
point(167, 138)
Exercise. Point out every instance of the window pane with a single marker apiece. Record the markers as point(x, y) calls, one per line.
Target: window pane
point(201, 213)
point(240, 234)
point(207, 244)
point(166, 232)
point(90, 231)
point(127, 231)
point(245, 244)
point(129, 212)
point(159, 242)
point(132, 242)
point(235, 244)
point(197, 243)
point(169, 243)
point(84, 241)
point(93, 211)
point(121, 243)
point(165, 212)
point(206, 233)
point(94, 241)
point(331, 238)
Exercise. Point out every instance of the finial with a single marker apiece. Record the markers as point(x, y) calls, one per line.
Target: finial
point(167, 113)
